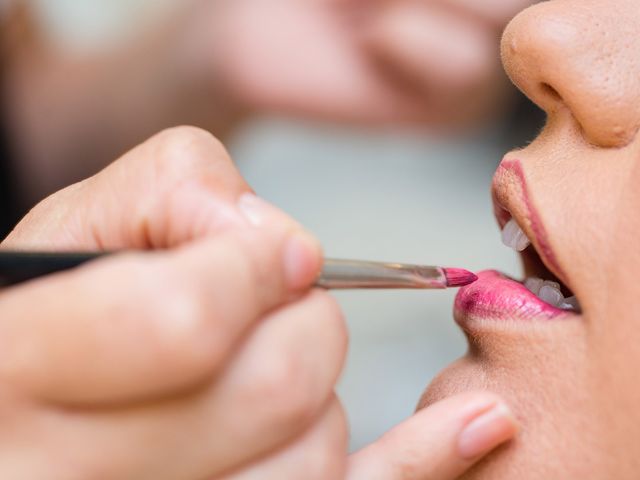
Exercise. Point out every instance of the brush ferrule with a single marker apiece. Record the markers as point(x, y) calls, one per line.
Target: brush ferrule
point(345, 274)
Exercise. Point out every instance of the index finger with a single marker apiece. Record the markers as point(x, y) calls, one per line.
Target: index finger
point(175, 187)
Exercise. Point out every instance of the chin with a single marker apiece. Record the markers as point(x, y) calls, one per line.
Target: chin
point(533, 454)
point(546, 384)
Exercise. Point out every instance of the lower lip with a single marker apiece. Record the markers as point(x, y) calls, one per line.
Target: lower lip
point(495, 296)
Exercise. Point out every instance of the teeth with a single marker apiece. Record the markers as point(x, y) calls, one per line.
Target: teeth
point(551, 284)
point(549, 292)
point(514, 237)
point(546, 290)
point(534, 284)
point(570, 303)
point(551, 295)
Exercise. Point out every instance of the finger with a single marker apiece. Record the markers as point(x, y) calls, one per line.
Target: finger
point(279, 384)
point(280, 381)
point(433, 45)
point(179, 185)
point(495, 12)
point(438, 443)
point(320, 454)
point(449, 59)
point(141, 325)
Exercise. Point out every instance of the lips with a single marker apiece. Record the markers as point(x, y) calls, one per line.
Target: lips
point(544, 294)
point(498, 297)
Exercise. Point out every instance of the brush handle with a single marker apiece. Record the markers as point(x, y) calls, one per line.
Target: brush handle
point(17, 267)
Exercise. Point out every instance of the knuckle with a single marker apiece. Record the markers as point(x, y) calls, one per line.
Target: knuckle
point(184, 135)
point(186, 146)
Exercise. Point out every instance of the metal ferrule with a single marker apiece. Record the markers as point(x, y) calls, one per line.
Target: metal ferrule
point(345, 274)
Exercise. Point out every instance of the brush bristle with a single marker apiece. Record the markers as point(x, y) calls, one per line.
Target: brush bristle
point(459, 277)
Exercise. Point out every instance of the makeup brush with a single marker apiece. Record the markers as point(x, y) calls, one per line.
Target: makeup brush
point(343, 274)
point(16, 267)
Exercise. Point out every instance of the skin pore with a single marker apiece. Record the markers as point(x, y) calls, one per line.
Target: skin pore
point(571, 379)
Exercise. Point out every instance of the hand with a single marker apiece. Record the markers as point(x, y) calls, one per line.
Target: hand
point(368, 61)
point(371, 62)
point(206, 359)
point(440, 442)
point(182, 363)
point(448, 52)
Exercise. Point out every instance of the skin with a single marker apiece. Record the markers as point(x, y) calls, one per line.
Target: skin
point(207, 356)
point(572, 381)
point(218, 63)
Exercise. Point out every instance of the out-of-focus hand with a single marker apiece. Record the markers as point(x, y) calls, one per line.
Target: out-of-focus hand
point(448, 51)
point(369, 61)
point(415, 63)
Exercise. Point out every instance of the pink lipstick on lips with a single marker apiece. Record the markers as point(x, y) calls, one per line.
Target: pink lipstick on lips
point(496, 296)
point(499, 297)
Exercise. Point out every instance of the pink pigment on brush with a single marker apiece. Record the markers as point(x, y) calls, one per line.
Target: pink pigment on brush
point(458, 277)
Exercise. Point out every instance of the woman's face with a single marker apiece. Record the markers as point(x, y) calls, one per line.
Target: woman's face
point(572, 377)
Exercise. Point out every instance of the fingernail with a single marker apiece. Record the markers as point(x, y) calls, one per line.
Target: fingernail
point(301, 260)
point(255, 210)
point(487, 431)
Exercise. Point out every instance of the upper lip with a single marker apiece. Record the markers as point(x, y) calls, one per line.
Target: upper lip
point(512, 199)
point(498, 297)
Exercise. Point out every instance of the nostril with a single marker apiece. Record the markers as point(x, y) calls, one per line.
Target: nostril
point(601, 130)
point(568, 63)
point(549, 91)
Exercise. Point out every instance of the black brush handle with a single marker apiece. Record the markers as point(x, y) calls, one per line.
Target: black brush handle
point(17, 267)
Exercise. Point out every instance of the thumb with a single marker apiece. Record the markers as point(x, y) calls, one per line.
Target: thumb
point(440, 442)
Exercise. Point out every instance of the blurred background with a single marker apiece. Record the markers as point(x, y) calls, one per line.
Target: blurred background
point(371, 189)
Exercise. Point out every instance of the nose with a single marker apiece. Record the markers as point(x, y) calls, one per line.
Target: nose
point(580, 55)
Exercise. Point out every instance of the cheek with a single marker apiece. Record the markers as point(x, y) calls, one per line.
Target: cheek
point(625, 232)
point(616, 335)
point(580, 192)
